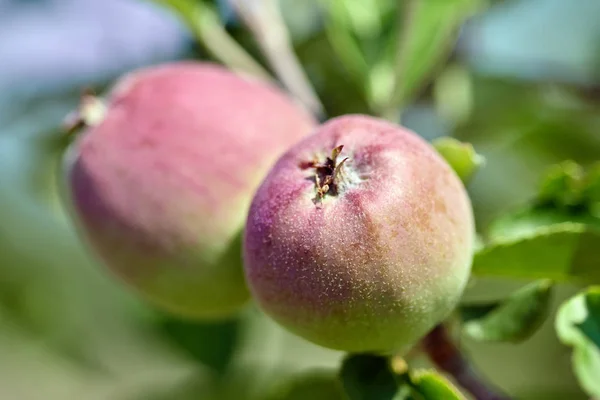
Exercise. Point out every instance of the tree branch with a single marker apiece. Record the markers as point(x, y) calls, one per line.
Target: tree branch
point(447, 356)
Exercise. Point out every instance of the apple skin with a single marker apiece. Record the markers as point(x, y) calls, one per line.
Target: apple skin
point(375, 267)
point(159, 190)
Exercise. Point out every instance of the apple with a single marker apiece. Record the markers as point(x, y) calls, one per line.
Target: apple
point(360, 238)
point(160, 187)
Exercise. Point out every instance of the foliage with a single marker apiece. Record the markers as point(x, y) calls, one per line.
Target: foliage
point(578, 326)
point(540, 229)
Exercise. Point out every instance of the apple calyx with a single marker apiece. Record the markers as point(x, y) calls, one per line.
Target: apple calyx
point(327, 174)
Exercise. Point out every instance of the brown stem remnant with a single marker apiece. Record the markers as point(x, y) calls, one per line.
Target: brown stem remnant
point(447, 356)
point(327, 174)
point(90, 112)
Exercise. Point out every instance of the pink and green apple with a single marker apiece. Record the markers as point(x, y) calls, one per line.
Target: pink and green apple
point(160, 188)
point(360, 238)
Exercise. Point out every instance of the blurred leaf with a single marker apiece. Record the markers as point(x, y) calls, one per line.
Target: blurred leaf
point(192, 388)
point(470, 312)
point(212, 344)
point(528, 221)
point(380, 83)
point(555, 237)
point(591, 325)
point(568, 185)
point(267, 354)
point(204, 22)
point(575, 318)
point(349, 53)
point(364, 36)
point(368, 377)
point(345, 27)
point(591, 187)
point(561, 184)
point(564, 251)
point(436, 27)
point(335, 85)
point(429, 40)
point(453, 94)
point(433, 386)
point(317, 385)
point(516, 318)
point(462, 157)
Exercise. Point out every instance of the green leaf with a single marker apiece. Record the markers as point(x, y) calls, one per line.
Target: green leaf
point(462, 157)
point(433, 386)
point(562, 252)
point(539, 242)
point(453, 94)
point(435, 31)
point(426, 45)
point(345, 29)
point(516, 318)
point(217, 346)
point(471, 312)
point(204, 22)
point(316, 385)
point(567, 193)
point(533, 220)
point(577, 322)
point(562, 184)
point(591, 189)
point(368, 377)
point(591, 325)
point(568, 185)
point(266, 355)
point(365, 35)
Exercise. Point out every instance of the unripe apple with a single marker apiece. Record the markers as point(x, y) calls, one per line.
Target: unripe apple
point(160, 188)
point(360, 238)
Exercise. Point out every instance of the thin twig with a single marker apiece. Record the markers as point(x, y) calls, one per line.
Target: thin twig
point(264, 19)
point(205, 24)
point(447, 356)
point(406, 16)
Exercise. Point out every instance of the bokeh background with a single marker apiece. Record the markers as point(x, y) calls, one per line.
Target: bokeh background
point(522, 84)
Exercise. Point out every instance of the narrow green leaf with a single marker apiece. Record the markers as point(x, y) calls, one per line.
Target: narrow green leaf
point(368, 377)
point(203, 21)
point(348, 51)
point(516, 318)
point(462, 157)
point(433, 386)
point(364, 16)
point(432, 34)
point(436, 29)
point(339, 28)
point(576, 323)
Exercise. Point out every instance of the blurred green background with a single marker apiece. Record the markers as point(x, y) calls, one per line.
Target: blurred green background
point(522, 84)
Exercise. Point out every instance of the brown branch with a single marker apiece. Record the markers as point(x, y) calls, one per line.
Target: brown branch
point(447, 356)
